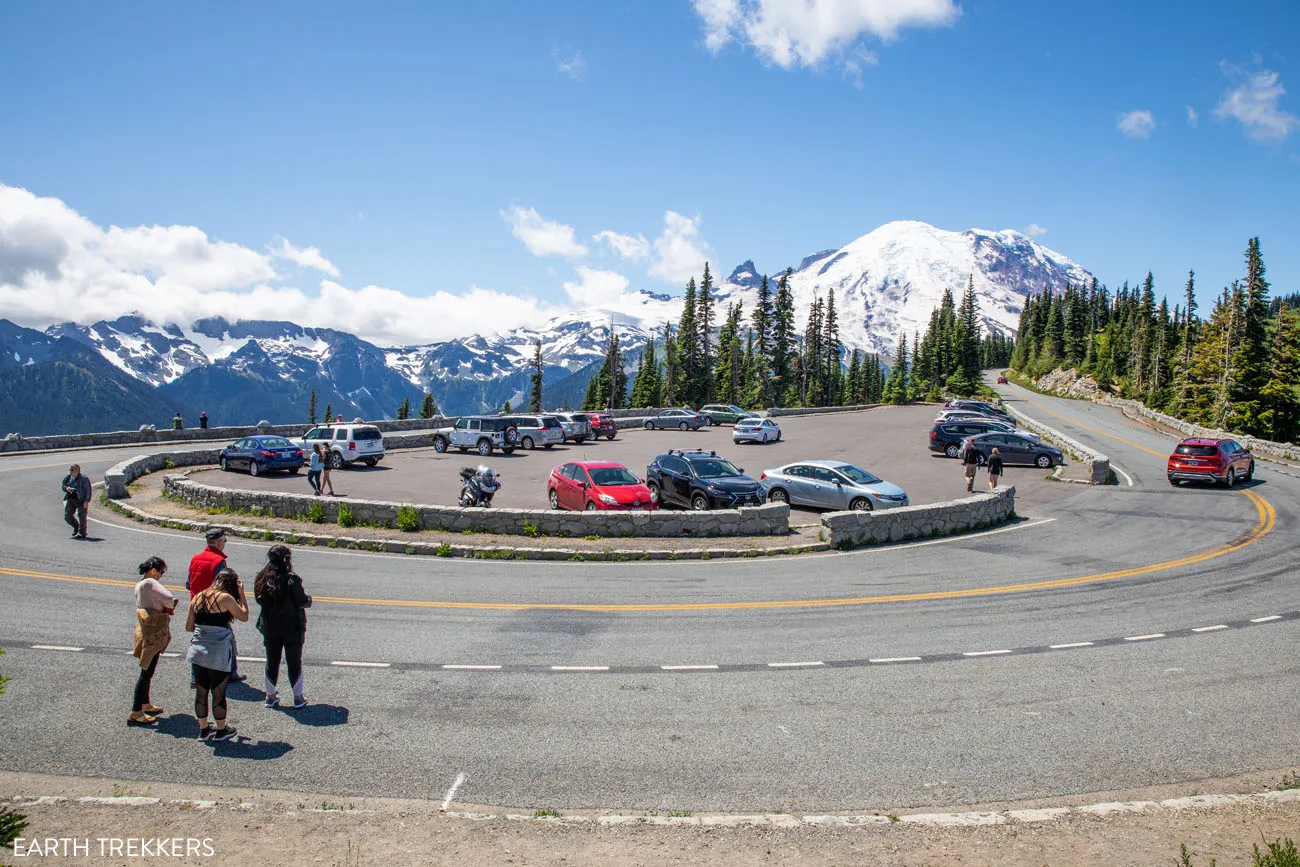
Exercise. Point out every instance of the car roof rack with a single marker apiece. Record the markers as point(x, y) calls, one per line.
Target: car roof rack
point(684, 452)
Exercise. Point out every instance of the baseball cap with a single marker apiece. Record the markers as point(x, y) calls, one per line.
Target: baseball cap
point(215, 533)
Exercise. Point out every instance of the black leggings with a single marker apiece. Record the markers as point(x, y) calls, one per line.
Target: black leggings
point(142, 685)
point(292, 648)
point(208, 681)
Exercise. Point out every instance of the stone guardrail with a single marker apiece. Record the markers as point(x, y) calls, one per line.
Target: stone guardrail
point(777, 412)
point(850, 529)
point(1285, 451)
point(768, 520)
point(1098, 464)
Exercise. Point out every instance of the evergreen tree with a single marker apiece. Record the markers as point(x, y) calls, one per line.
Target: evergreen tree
point(647, 386)
point(687, 367)
point(670, 390)
point(855, 385)
point(404, 409)
point(762, 320)
point(813, 364)
point(704, 317)
point(535, 399)
point(428, 409)
point(329, 414)
point(831, 349)
point(1256, 349)
point(783, 342)
point(1280, 396)
point(506, 408)
point(728, 375)
point(311, 408)
point(897, 386)
point(752, 376)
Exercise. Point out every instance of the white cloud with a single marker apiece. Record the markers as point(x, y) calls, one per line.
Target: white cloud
point(306, 257)
point(1136, 124)
point(570, 62)
point(1253, 103)
point(1033, 230)
point(1193, 118)
point(794, 33)
point(542, 237)
point(596, 288)
point(679, 251)
point(631, 247)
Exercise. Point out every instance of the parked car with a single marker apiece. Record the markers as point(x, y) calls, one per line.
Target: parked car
point(682, 419)
point(576, 425)
point(1221, 461)
point(261, 454)
point(725, 413)
point(1002, 380)
point(347, 443)
point(947, 436)
point(481, 433)
point(965, 414)
point(756, 430)
point(603, 425)
point(979, 406)
point(538, 430)
point(830, 485)
point(594, 486)
point(1016, 449)
point(700, 480)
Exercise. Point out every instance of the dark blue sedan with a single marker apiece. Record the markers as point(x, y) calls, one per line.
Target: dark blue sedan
point(262, 454)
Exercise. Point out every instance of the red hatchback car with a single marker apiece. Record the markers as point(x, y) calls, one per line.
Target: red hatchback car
point(1206, 460)
point(594, 486)
point(602, 425)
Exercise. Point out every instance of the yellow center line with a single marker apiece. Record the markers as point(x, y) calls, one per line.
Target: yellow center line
point(56, 464)
point(1095, 430)
point(1266, 520)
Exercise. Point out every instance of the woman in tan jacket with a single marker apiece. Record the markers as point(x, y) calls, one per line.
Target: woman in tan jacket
point(154, 606)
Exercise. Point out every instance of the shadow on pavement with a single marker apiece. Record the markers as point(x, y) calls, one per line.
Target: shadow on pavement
point(240, 747)
point(318, 715)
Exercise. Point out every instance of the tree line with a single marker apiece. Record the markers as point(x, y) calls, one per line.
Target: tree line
point(1238, 369)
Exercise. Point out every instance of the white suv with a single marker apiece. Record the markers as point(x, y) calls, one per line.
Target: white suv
point(347, 443)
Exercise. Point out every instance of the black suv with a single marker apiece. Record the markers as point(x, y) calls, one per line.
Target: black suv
point(946, 436)
point(700, 480)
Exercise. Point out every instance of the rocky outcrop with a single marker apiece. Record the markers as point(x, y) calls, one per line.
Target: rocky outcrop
point(1066, 382)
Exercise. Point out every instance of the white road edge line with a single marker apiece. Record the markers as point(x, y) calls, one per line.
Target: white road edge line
point(1126, 476)
point(58, 647)
point(1150, 637)
point(346, 664)
point(1214, 628)
point(985, 652)
point(251, 658)
point(888, 659)
point(579, 668)
point(454, 667)
point(1070, 645)
point(689, 667)
point(446, 802)
point(1269, 619)
point(794, 664)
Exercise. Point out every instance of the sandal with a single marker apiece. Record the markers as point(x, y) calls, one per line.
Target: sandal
point(141, 721)
point(151, 710)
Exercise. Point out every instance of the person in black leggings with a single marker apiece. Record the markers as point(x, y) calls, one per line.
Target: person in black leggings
point(154, 606)
point(210, 616)
point(283, 622)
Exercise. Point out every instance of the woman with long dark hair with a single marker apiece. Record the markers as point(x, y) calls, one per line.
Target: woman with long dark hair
point(212, 649)
point(283, 622)
point(154, 606)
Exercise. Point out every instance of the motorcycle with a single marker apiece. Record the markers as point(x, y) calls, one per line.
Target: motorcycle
point(479, 486)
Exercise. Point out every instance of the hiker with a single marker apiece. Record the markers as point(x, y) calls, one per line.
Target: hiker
point(326, 456)
point(204, 567)
point(313, 469)
point(212, 649)
point(995, 468)
point(76, 500)
point(154, 607)
point(283, 622)
point(203, 420)
point(970, 458)
point(178, 423)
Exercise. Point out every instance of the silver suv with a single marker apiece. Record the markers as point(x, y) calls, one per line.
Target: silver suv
point(347, 443)
point(577, 426)
point(538, 430)
point(481, 433)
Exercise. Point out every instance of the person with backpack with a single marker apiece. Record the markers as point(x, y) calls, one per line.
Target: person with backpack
point(283, 622)
point(76, 500)
point(154, 607)
point(970, 459)
point(212, 649)
point(995, 468)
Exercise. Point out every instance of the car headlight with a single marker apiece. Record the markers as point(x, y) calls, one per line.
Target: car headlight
point(608, 500)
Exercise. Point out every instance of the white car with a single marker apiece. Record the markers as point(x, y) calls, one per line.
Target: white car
point(347, 443)
point(756, 430)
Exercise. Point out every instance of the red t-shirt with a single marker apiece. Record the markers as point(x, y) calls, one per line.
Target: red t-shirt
point(204, 567)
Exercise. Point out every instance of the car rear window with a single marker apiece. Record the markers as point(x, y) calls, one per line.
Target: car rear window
point(275, 442)
point(1196, 451)
point(550, 421)
point(366, 433)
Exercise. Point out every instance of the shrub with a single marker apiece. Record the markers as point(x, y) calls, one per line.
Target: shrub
point(291, 539)
point(11, 826)
point(408, 520)
point(168, 463)
point(267, 536)
point(530, 530)
point(443, 550)
point(410, 549)
point(346, 518)
point(316, 512)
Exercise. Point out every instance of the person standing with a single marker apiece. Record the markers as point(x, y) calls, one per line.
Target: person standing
point(970, 458)
point(204, 567)
point(212, 649)
point(76, 500)
point(995, 468)
point(154, 607)
point(177, 422)
point(203, 420)
point(283, 622)
point(327, 457)
point(314, 468)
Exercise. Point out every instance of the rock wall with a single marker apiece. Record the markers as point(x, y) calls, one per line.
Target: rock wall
point(1285, 451)
point(776, 412)
point(1097, 464)
point(768, 520)
point(849, 529)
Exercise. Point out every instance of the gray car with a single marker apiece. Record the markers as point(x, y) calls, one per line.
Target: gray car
point(681, 419)
point(830, 485)
point(1016, 449)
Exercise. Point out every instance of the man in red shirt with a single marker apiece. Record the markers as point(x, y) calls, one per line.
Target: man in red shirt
point(204, 567)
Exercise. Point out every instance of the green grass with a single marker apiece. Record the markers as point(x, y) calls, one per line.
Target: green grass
point(705, 555)
point(346, 518)
point(443, 550)
point(316, 512)
point(592, 538)
point(545, 812)
point(267, 536)
point(577, 558)
point(408, 520)
point(1278, 853)
point(1289, 781)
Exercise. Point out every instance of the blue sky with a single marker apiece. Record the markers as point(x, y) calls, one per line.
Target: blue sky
point(413, 145)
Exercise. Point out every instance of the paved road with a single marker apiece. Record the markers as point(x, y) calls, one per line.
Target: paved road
point(857, 732)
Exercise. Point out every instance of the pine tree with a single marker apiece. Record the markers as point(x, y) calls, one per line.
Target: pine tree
point(704, 318)
point(428, 409)
point(404, 409)
point(1256, 348)
point(311, 408)
point(762, 321)
point(728, 376)
point(1280, 395)
point(854, 388)
point(1186, 343)
point(646, 386)
point(783, 342)
point(505, 408)
point(535, 399)
point(670, 390)
point(897, 385)
point(812, 365)
point(752, 375)
point(831, 350)
point(329, 414)
point(687, 368)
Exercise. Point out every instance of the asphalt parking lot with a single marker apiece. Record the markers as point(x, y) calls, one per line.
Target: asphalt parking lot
point(889, 442)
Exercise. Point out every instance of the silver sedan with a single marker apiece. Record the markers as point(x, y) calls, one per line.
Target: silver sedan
point(830, 485)
point(756, 430)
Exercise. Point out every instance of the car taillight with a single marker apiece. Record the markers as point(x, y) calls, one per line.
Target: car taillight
point(352, 447)
point(762, 476)
point(297, 453)
point(934, 434)
point(267, 454)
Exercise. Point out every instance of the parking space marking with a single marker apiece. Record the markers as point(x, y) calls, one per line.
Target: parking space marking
point(1150, 637)
point(346, 664)
point(59, 647)
point(1214, 628)
point(794, 664)
point(1269, 619)
point(1070, 646)
point(689, 667)
point(986, 652)
point(891, 659)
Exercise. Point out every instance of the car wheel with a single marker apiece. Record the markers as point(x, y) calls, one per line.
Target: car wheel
point(952, 451)
point(684, 426)
point(778, 436)
point(372, 462)
point(591, 507)
point(253, 469)
point(294, 471)
point(1175, 482)
point(439, 444)
point(555, 499)
point(700, 503)
point(860, 504)
point(778, 495)
point(654, 492)
point(1043, 461)
point(579, 440)
point(609, 436)
point(649, 425)
point(527, 442)
point(336, 461)
point(485, 447)
point(1230, 480)
point(225, 468)
point(1250, 473)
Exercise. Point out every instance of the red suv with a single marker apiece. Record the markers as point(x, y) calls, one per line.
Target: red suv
point(1205, 460)
point(602, 425)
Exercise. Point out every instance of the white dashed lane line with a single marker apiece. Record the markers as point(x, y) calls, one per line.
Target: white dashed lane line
point(820, 665)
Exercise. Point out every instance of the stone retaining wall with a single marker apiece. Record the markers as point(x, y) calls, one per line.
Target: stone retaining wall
point(777, 412)
point(768, 520)
point(1285, 451)
point(1097, 464)
point(849, 529)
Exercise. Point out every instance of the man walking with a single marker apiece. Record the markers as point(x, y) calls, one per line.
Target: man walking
point(76, 500)
point(204, 567)
point(970, 458)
